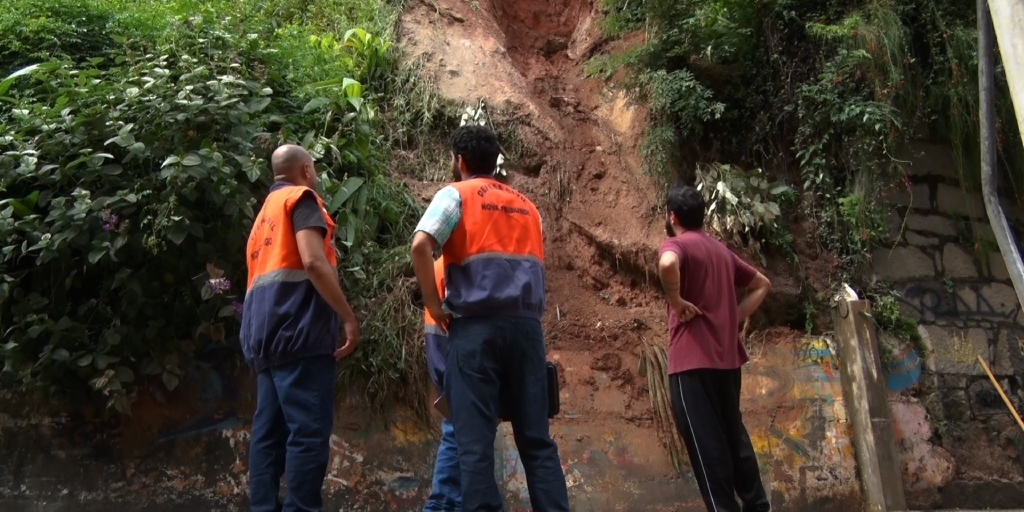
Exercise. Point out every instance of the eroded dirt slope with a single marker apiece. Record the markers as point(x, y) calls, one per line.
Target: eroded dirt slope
point(524, 58)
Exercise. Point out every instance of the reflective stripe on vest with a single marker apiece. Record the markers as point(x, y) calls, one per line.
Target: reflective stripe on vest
point(272, 250)
point(429, 324)
point(435, 337)
point(494, 259)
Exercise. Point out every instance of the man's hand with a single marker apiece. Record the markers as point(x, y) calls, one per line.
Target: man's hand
point(756, 292)
point(685, 311)
point(440, 316)
point(324, 277)
point(668, 268)
point(349, 342)
point(423, 246)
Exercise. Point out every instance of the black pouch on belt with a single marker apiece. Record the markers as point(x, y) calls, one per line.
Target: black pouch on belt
point(554, 405)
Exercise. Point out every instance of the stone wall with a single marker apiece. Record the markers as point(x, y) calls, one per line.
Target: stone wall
point(959, 292)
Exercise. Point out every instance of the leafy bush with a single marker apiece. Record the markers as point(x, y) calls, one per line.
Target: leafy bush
point(36, 30)
point(130, 185)
point(743, 206)
point(123, 200)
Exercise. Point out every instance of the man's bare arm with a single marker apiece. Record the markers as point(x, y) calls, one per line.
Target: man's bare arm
point(322, 274)
point(423, 246)
point(757, 290)
point(668, 270)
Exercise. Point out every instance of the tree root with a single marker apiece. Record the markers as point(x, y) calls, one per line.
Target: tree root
point(638, 261)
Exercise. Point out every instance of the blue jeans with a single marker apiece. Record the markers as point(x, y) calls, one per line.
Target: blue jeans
point(291, 435)
point(445, 491)
point(498, 363)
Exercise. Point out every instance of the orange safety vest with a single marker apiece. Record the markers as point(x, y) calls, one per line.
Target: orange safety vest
point(436, 338)
point(283, 316)
point(494, 259)
point(269, 252)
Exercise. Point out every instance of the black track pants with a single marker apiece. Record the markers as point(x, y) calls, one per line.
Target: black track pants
point(706, 405)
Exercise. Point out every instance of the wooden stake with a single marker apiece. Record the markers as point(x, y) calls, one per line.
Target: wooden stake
point(984, 366)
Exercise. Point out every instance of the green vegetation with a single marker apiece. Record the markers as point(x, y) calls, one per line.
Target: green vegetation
point(133, 155)
point(885, 311)
point(818, 93)
point(744, 207)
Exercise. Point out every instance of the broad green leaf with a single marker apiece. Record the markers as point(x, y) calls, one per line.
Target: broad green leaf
point(19, 208)
point(103, 360)
point(327, 83)
point(197, 172)
point(96, 254)
point(124, 374)
point(226, 311)
point(258, 105)
point(170, 380)
point(191, 159)
point(315, 104)
point(32, 199)
point(356, 34)
point(85, 360)
point(348, 187)
point(61, 355)
point(177, 234)
point(20, 72)
point(6, 84)
point(352, 88)
point(171, 160)
point(253, 173)
point(353, 225)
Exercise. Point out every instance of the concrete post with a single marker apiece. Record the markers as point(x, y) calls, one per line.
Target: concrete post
point(867, 405)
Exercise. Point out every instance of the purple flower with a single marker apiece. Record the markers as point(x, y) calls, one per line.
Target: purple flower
point(219, 285)
point(110, 220)
point(237, 306)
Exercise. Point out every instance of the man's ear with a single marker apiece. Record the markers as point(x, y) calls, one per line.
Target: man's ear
point(461, 162)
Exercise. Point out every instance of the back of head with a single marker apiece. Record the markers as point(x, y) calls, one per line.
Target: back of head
point(478, 147)
point(687, 204)
point(293, 164)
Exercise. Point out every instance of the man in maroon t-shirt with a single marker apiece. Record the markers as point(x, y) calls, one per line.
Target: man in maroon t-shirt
point(700, 276)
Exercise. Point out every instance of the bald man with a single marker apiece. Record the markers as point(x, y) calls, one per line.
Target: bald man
point(290, 323)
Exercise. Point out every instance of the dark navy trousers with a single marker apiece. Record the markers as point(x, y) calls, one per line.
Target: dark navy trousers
point(291, 435)
point(498, 363)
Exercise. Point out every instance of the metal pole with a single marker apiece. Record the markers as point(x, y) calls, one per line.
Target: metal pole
point(989, 182)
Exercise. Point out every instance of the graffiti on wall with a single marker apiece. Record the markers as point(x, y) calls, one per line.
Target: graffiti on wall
point(797, 421)
point(969, 300)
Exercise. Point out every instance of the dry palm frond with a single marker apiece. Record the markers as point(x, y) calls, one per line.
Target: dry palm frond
point(654, 364)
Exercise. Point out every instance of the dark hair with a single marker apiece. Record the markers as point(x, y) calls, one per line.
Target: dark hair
point(688, 206)
point(478, 147)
